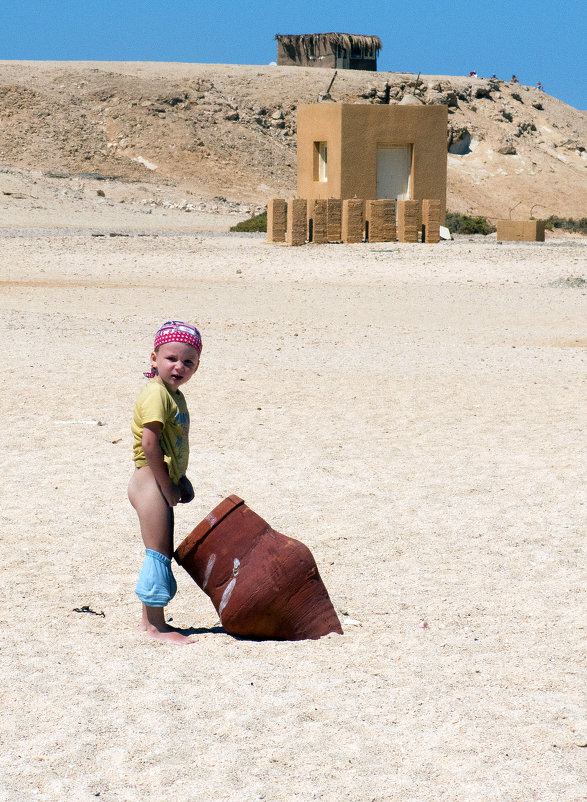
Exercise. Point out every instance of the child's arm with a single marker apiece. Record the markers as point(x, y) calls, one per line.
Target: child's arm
point(155, 461)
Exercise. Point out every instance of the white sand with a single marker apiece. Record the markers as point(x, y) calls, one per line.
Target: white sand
point(414, 414)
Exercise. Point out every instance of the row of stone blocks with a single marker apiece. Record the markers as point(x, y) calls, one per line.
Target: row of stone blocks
point(298, 221)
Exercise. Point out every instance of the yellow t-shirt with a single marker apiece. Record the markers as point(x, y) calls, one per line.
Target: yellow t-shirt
point(156, 403)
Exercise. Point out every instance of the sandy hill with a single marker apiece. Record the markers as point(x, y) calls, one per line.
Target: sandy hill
point(200, 131)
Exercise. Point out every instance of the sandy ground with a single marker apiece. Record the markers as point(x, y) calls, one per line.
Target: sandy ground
point(413, 413)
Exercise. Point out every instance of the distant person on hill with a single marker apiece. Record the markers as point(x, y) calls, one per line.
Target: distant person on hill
point(539, 85)
point(515, 79)
point(473, 74)
point(160, 428)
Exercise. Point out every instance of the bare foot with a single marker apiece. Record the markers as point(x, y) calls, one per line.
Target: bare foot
point(169, 634)
point(153, 624)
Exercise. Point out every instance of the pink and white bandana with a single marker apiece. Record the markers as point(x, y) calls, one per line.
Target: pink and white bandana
point(174, 331)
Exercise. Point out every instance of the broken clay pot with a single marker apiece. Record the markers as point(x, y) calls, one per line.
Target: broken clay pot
point(263, 585)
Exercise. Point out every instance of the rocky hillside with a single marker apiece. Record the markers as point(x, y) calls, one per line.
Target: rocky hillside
point(204, 131)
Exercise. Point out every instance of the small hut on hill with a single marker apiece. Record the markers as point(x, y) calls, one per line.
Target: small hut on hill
point(341, 51)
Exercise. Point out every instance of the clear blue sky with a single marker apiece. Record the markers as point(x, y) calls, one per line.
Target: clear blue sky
point(538, 41)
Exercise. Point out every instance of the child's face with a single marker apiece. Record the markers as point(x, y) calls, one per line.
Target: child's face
point(175, 363)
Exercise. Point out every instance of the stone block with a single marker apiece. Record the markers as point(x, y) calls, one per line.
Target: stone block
point(409, 220)
point(352, 220)
point(430, 221)
point(380, 215)
point(520, 230)
point(334, 220)
point(297, 221)
point(318, 221)
point(276, 220)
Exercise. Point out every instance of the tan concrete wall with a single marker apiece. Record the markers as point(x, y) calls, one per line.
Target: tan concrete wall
point(520, 230)
point(320, 122)
point(353, 132)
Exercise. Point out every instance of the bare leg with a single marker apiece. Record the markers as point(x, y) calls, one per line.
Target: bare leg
point(156, 522)
point(155, 515)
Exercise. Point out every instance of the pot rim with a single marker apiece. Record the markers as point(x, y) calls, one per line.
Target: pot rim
point(203, 529)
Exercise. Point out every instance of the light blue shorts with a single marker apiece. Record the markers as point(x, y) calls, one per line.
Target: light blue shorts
point(156, 586)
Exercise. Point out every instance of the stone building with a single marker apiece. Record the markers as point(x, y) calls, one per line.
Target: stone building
point(372, 152)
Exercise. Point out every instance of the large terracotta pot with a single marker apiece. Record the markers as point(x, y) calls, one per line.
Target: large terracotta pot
point(263, 585)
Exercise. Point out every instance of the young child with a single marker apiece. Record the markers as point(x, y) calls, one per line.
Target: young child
point(160, 428)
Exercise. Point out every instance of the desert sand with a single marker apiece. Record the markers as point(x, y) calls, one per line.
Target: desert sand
point(413, 413)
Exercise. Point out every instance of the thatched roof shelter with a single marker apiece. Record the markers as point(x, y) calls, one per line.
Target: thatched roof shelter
point(314, 42)
point(338, 50)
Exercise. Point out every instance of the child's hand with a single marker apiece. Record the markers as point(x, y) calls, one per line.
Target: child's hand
point(187, 491)
point(171, 493)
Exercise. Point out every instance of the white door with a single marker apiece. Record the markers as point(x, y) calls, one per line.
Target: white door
point(394, 169)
